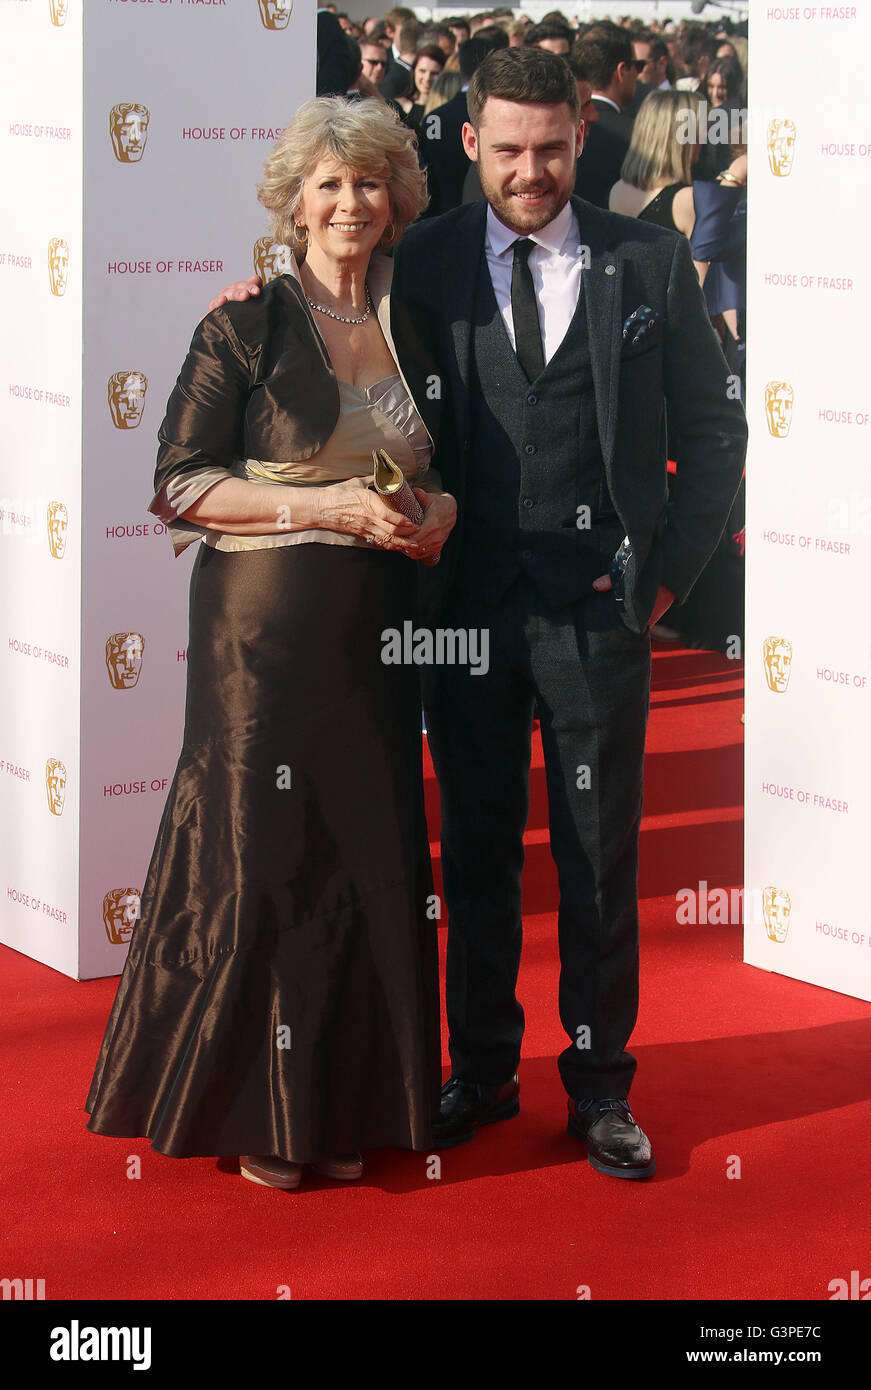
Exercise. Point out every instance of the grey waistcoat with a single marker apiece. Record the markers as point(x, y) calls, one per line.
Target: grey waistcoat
point(536, 465)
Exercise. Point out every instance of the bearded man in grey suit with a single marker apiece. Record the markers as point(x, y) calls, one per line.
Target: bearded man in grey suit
point(558, 335)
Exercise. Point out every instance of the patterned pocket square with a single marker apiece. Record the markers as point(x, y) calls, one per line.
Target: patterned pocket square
point(641, 325)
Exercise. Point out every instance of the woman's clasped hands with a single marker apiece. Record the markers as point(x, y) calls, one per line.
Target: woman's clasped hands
point(353, 506)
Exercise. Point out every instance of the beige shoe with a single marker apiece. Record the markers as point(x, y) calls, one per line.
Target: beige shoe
point(270, 1171)
point(340, 1167)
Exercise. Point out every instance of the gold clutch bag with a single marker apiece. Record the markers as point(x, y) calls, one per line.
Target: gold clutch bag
point(391, 485)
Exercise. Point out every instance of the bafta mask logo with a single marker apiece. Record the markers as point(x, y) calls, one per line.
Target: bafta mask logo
point(776, 907)
point(55, 785)
point(58, 264)
point(780, 142)
point(57, 519)
point(120, 914)
point(127, 399)
point(58, 11)
point(271, 259)
point(275, 14)
point(777, 657)
point(779, 401)
point(124, 659)
point(128, 127)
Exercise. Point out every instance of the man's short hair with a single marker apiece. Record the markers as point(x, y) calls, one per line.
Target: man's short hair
point(600, 51)
point(494, 34)
point(697, 43)
point(398, 15)
point(431, 33)
point(580, 70)
point(606, 26)
point(548, 29)
point(408, 36)
point(523, 74)
point(472, 52)
point(658, 49)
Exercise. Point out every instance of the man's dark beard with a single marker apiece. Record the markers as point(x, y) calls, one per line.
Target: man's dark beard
point(503, 208)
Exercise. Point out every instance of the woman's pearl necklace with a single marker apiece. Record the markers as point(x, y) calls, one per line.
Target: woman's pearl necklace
point(338, 317)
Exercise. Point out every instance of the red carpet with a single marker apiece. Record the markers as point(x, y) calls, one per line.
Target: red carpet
point(734, 1064)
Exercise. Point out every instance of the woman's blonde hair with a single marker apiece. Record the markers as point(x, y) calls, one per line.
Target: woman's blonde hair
point(366, 136)
point(656, 153)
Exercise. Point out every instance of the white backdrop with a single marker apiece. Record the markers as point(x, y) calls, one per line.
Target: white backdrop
point(135, 134)
point(808, 723)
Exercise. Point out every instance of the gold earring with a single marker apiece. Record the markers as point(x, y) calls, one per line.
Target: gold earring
point(300, 232)
point(387, 238)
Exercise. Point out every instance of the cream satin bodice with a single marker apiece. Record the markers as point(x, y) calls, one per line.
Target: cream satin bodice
point(381, 416)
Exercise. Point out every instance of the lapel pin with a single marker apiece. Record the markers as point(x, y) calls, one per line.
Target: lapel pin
point(610, 269)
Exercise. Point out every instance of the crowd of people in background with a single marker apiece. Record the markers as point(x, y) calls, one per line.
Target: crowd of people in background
point(656, 147)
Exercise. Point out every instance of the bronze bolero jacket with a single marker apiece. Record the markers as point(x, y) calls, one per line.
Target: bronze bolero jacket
point(258, 382)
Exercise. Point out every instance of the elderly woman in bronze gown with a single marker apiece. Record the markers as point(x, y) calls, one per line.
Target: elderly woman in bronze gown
point(280, 996)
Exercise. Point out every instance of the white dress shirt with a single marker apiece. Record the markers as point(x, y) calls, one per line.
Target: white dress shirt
point(555, 262)
point(609, 101)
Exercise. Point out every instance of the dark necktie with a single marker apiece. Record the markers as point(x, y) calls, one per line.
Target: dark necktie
point(527, 334)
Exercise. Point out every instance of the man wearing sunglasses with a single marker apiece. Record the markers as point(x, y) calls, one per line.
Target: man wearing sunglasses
point(373, 60)
point(608, 59)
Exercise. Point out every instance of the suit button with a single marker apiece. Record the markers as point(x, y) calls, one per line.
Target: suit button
point(526, 554)
point(528, 502)
point(530, 448)
point(532, 400)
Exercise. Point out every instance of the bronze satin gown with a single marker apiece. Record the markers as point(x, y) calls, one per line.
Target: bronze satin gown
point(300, 908)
